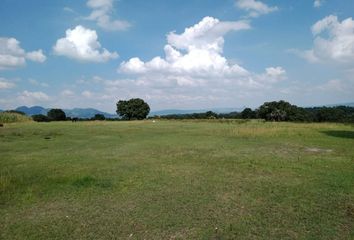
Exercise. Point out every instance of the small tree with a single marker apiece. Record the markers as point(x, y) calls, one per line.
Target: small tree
point(134, 108)
point(56, 115)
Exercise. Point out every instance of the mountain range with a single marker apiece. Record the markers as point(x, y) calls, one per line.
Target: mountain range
point(75, 112)
point(179, 111)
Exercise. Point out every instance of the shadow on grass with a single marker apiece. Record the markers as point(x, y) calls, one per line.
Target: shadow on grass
point(341, 134)
point(89, 181)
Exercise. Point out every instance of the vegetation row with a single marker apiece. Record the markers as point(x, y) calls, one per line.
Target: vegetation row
point(138, 109)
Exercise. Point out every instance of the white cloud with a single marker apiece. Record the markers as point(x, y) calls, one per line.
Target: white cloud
point(13, 56)
point(195, 52)
point(255, 8)
point(69, 10)
point(101, 11)
point(5, 84)
point(30, 98)
point(87, 94)
point(318, 3)
point(67, 93)
point(333, 85)
point(273, 75)
point(333, 41)
point(193, 69)
point(36, 56)
point(82, 44)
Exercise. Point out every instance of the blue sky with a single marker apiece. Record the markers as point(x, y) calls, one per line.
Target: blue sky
point(175, 54)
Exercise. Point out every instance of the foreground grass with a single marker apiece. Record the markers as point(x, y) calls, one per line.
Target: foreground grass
point(176, 180)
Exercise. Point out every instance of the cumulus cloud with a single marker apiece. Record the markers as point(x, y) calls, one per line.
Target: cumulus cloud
point(318, 3)
point(13, 56)
point(82, 44)
point(196, 52)
point(194, 68)
point(101, 13)
point(333, 41)
point(5, 84)
point(255, 8)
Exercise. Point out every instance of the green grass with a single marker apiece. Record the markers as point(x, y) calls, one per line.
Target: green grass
point(176, 180)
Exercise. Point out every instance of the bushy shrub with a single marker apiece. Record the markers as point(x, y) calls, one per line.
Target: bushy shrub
point(40, 118)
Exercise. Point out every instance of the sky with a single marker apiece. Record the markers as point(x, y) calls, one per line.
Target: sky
point(175, 54)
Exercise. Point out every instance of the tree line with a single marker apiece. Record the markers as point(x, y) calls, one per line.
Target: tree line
point(133, 109)
point(138, 109)
point(278, 111)
point(57, 114)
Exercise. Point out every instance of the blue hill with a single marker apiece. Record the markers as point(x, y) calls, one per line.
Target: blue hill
point(32, 110)
point(86, 113)
point(76, 112)
point(179, 111)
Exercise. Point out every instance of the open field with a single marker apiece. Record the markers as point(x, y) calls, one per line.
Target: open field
point(176, 180)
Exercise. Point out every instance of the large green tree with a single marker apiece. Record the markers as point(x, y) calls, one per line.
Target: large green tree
point(133, 109)
point(248, 113)
point(278, 111)
point(56, 115)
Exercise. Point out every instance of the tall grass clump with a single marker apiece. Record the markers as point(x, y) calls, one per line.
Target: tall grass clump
point(10, 117)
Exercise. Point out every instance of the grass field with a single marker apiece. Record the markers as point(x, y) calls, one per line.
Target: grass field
point(176, 180)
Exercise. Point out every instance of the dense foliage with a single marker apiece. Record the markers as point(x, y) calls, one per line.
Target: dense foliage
point(248, 113)
point(40, 118)
point(133, 109)
point(56, 114)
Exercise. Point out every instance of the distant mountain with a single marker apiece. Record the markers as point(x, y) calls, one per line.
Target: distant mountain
point(86, 113)
point(179, 111)
point(32, 110)
point(76, 112)
point(350, 104)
